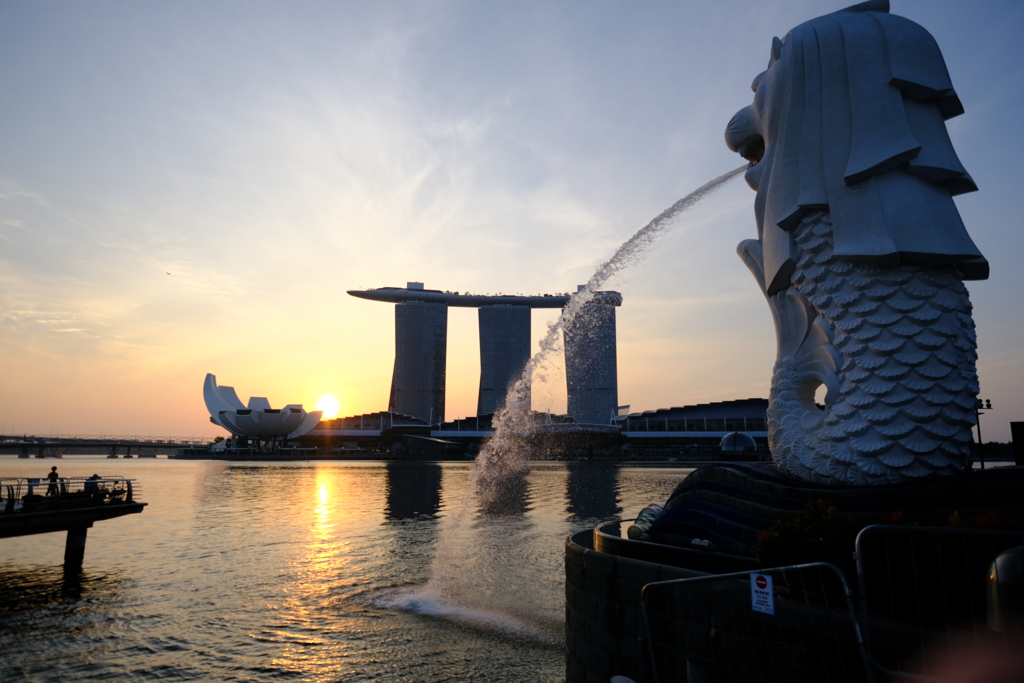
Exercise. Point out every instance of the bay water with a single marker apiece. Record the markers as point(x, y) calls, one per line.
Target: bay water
point(302, 571)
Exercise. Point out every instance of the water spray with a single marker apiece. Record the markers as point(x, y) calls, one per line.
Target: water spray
point(504, 459)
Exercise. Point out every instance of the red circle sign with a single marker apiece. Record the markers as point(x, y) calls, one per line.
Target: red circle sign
point(761, 582)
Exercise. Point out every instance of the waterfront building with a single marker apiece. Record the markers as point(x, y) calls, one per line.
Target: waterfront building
point(256, 421)
point(421, 356)
point(368, 424)
point(717, 419)
point(591, 369)
point(421, 335)
point(693, 432)
point(504, 352)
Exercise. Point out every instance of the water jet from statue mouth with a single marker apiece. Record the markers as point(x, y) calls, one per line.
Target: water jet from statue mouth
point(752, 149)
point(501, 467)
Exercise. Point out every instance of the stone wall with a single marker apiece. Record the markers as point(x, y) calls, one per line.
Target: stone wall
point(604, 628)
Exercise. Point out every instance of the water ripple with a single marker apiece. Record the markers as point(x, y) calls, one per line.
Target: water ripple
point(218, 580)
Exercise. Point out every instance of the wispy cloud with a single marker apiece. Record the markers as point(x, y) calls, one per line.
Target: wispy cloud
point(271, 159)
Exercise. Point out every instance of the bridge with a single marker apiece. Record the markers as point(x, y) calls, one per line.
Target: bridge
point(54, 446)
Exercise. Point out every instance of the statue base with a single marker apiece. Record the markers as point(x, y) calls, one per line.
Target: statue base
point(731, 504)
point(919, 586)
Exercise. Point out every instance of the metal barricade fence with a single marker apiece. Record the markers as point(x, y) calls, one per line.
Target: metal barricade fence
point(923, 594)
point(792, 624)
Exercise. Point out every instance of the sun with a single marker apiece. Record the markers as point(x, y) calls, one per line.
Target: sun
point(329, 404)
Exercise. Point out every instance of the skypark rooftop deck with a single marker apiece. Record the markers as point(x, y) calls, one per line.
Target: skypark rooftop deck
point(401, 294)
point(421, 340)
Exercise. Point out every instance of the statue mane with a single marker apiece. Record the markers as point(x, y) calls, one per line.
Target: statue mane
point(851, 113)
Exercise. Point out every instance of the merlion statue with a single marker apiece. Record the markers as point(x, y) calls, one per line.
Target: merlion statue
point(861, 252)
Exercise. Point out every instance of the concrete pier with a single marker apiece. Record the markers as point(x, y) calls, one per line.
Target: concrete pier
point(74, 548)
point(78, 504)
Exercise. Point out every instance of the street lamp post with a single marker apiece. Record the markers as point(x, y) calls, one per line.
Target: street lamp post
point(978, 407)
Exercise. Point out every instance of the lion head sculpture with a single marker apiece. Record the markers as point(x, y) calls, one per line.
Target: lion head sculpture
point(850, 117)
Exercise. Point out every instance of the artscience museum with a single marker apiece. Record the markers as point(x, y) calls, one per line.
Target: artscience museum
point(258, 421)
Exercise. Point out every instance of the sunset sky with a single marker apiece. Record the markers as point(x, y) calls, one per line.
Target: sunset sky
point(191, 187)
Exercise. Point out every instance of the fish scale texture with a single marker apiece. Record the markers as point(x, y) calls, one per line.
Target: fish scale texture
point(904, 348)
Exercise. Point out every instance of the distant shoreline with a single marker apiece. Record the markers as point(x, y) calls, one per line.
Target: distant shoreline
point(536, 464)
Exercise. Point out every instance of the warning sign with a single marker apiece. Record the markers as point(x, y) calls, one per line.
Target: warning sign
point(762, 598)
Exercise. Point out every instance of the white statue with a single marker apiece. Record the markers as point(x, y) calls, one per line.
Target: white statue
point(861, 251)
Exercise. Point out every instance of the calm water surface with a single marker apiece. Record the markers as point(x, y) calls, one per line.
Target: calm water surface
point(309, 572)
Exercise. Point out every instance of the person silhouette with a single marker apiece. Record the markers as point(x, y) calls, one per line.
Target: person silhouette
point(52, 477)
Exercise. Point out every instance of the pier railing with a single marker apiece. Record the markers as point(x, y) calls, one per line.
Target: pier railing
point(40, 495)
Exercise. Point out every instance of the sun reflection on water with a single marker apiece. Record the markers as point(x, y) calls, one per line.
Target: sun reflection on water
point(309, 626)
point(323, 512)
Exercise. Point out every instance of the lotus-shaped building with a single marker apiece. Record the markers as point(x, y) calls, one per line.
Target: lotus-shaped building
point(257, 420)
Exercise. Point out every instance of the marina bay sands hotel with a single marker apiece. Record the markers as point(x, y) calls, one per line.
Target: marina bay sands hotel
point(421, 340)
